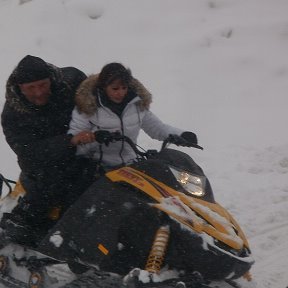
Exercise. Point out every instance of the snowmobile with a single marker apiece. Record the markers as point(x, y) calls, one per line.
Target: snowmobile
point(154, 223)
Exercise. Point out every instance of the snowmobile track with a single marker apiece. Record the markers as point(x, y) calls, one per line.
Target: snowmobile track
point(11, 282)
point(94, 279)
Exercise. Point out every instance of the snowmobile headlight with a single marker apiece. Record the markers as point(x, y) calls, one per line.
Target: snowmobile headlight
point(193, 184)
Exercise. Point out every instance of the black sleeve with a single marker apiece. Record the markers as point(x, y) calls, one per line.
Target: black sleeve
point(28, 147)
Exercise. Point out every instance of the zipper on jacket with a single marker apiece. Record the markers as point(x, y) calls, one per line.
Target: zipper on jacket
point(121, 124)
point(121, 120)
point(122, 141)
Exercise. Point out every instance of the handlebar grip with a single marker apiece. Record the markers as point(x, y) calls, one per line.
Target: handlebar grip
point(197, 146)
point(167, 141)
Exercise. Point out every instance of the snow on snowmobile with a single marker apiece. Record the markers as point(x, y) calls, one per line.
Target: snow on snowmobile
point(154, 223)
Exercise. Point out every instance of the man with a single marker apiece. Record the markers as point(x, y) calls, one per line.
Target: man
point(35, 121)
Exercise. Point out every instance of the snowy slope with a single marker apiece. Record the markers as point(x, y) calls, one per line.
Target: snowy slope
point(215, 67)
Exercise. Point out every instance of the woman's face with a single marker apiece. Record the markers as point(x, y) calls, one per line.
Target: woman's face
point(116, 91)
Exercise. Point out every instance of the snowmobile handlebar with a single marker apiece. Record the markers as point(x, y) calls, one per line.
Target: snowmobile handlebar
point(117, 136)
point(6, 182)
point(190, 145)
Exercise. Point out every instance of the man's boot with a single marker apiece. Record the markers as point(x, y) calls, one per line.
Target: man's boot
point(16, 230)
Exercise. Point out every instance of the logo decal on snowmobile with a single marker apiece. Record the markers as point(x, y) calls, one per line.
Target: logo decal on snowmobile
point(131, 176)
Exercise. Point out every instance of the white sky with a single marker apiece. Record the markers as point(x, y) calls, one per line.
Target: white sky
point(215, 67)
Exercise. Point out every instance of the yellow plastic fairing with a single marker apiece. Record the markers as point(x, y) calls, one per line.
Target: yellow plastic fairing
point(199, 215)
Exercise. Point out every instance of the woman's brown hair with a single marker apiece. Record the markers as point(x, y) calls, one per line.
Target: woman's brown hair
point(111, 72)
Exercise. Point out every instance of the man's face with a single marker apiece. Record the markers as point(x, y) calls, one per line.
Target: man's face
point(37, 92)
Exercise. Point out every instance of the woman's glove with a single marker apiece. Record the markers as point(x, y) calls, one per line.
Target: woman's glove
point(103, 137)
point(187, 139)
point(190, 137)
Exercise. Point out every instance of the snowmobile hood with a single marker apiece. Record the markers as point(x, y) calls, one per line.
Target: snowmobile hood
point(86, 100)
point(199, 216)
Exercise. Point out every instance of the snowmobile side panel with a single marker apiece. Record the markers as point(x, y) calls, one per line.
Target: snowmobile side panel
point(129, 175)
point(99, 217)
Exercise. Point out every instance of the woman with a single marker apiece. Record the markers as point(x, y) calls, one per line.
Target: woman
point(114, 101)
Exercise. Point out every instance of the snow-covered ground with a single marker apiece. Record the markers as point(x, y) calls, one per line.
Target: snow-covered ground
point(215, 67)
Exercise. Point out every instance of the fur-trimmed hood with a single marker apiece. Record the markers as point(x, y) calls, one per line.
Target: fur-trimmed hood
point(86, 101)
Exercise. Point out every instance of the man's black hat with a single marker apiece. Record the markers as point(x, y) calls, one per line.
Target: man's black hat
point(31, 69)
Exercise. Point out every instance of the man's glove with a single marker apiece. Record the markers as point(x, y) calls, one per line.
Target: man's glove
point(187, 139)
point(103, 137)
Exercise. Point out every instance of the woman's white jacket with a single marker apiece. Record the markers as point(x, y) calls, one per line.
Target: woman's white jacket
point(91, 115)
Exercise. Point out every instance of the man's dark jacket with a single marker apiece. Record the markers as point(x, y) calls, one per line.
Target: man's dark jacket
point(37, 134)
